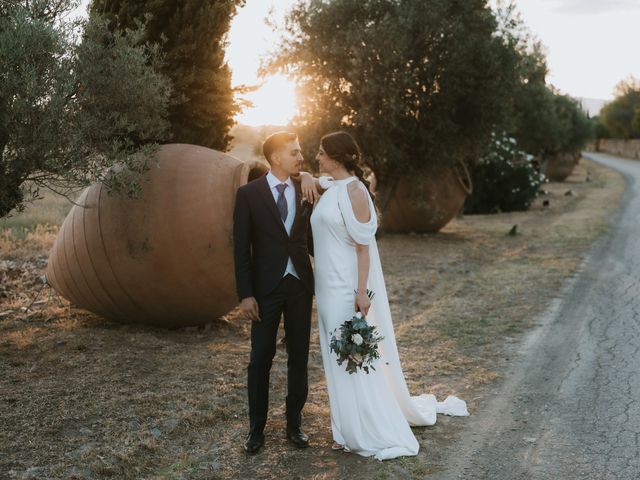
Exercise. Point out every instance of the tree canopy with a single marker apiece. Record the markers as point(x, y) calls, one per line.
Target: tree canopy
point(75, 99)
point(543, 121)
point(621, 117)
point(192, 35)
point(416, 82)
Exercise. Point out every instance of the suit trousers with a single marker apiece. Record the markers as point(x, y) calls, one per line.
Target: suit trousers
point(291, 300)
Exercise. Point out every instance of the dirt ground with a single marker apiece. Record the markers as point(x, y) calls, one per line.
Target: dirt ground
point(86, 398)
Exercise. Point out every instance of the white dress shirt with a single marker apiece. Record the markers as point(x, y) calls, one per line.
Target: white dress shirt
point(290, 197)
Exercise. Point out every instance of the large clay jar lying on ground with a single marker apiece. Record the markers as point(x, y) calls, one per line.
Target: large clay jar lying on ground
point(164, 259)
point(426, 203)
point(558, 167)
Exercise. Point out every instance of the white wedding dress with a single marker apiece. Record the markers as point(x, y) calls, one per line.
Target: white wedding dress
point(371, 414)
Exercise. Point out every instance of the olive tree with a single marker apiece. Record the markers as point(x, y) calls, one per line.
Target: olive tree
point(621, 117)
point(75, 100)
point(417, 83)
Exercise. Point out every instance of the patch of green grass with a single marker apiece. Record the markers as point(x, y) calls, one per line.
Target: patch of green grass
point(479, 330)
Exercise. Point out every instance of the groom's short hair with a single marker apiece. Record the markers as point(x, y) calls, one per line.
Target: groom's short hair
point(276, 141)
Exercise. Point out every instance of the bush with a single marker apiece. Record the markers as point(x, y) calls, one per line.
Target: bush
point(505, 179)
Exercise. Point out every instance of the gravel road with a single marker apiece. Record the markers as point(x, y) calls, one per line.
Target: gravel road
point(569, 407)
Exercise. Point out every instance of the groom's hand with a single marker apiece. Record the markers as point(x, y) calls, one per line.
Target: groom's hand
point(249, 309)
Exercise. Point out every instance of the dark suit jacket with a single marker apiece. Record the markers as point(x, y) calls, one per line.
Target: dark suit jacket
point(261, 244)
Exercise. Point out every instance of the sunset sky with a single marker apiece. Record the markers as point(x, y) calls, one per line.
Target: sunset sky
point(585, 41)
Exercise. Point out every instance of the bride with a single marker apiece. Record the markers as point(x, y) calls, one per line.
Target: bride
point(371, 414)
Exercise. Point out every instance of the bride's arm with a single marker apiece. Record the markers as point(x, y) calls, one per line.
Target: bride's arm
point(360, 205)
point(310, 185)
point(362, 301)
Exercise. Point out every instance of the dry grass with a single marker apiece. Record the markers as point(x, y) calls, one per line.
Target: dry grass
point(30, 239)
point(87, 398)
point(48, 211)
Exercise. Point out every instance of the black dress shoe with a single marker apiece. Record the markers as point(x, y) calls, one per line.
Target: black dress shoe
point(297, 437)
point(254, 442)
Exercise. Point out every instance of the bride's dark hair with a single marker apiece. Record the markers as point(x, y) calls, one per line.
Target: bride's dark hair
point(341, 147)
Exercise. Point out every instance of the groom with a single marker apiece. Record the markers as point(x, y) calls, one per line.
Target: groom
point(274, 279)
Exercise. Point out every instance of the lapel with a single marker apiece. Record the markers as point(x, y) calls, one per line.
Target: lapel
point(271, 203)
point(299, 208)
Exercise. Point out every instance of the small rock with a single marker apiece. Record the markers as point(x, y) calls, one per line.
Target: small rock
point(569, 193)
point(86, 448)
point(134, 425)
point(546, 203)
point(34, 472)
point(171, 424)
point(155, 431)
point(76, 472)
point(514, 230)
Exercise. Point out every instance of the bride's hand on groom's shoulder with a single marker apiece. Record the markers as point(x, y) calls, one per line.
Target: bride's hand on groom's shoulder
point(309, 187)
point(249, 309)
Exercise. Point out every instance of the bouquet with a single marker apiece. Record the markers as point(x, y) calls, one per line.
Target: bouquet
point(356, 342)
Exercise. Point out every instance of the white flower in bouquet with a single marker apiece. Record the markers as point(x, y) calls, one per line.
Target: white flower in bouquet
point(357, 339)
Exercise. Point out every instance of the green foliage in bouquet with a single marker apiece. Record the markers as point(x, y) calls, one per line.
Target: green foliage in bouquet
point(505, 179)
point(356, 342)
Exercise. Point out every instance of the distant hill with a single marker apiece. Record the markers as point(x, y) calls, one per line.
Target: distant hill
point(592, 105)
